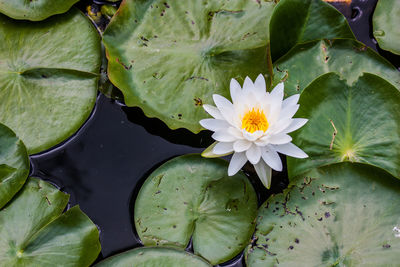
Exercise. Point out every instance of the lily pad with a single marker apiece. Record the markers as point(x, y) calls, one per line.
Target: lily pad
point(190, 196)
point(298, 21)
point(348, 58)
point(14, 164)
point(170, 57)
point(48, 77)
point(34, 10)
point(34, 232)
point(386, 25)
point(154, 256)
point(341, 215)
point(358, 123)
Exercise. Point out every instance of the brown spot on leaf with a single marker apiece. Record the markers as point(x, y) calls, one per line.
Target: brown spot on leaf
point(198, 101)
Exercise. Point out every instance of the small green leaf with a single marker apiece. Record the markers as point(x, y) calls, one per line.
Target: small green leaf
point(14, 164)
point(190, 196)
point(34, 232)
point(48, 77)
point(386, 25)
point(170, 57)
point(34, 9)
point(348, 58)
point(342, 215)
point(358, 123)
point(154, 256)
point(298, 21)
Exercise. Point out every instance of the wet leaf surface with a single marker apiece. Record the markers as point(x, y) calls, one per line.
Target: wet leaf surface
point(386, 25)
point(35, 232)
point(170, 57)
point(357, 123)
point(342, 215)
point(14, 164)
point(299, 21)
point(154, 256)
point(348, 58)
point(190, 196)
point(48, 77)
point(34, 9)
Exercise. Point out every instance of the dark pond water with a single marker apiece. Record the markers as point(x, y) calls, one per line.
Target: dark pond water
point(103, 166)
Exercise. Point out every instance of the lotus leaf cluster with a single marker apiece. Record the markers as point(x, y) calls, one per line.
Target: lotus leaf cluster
point(173, 59)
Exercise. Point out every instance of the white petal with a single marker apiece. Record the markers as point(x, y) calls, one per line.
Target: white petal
point(289, 111)
point(291, 150)
point(279, 126)
point(223, 148)
point(291, 100)
point(296, 124)
point(278, 139)
point(213, 111)
point(214, 125)
point(252, 136)
point(226, 108)
point(248, 84)
point(223, 136)
point(275, 100)
point(271, 157)
point(235, 90)
point(241, 145)
point(237, 162)
point(261, 142)
point(253, 154)
point(264, 172)
point(264, 140)
point(277, 93)
point(235, 132)
point(259, 84)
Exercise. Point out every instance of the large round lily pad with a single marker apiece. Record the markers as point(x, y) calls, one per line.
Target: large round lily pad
point(34, 9)
point(34, 232)
point(299, 21)
point(154, 256)
point(14, 164)
point(386, 24)
point(190, 196)
point(348, 58)
point(358, 123)
point(342, 215)
point(170, 57)
point(48, 77)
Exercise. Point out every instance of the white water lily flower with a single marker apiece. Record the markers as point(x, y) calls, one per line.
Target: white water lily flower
point(254, 127)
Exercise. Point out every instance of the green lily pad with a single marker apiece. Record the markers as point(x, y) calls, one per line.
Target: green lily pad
point(34, 232)
point(190, 196)
point(349, 58)
point(170, 57)
point(341, 215)
point(154, 256)
point(14, 164)
point(298, 21)
point(358, 123)
point(48, 77)
point(386, 25)
point(34, 10)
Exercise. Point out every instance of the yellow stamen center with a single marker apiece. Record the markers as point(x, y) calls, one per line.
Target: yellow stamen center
point(254, 120)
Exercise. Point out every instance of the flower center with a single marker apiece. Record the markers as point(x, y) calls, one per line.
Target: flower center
point(254, 120)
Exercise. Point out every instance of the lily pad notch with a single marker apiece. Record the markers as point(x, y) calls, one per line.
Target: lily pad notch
point(170, 57)
point(36, 232)
point(192, 197)
point(49, 77)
